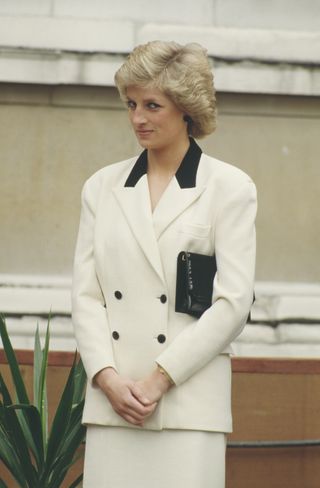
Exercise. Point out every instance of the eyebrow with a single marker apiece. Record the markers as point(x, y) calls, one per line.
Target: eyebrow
point(146, 100)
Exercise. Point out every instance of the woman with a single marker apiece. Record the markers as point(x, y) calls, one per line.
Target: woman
point(159, 381)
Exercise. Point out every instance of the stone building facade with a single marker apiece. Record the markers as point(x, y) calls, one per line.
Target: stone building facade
point(61, 120)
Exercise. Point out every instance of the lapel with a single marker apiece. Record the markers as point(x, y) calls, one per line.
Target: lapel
point(173, 202)
point(136, 207)
point(134, 200)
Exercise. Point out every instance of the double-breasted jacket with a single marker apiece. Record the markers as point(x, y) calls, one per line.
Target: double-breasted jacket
point(125, 279)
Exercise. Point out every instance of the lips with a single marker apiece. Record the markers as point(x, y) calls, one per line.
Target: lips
point(144, 132)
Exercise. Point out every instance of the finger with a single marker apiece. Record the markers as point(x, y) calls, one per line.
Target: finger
point(132, 420)
point(127, 410)
point(139, 395)
point(138, 407)
point(138, 415)
point(151, 410)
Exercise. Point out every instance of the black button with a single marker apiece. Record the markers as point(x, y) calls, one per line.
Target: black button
point(161, 338)
point(115, 335)
point(118, 294)
point(163, 299)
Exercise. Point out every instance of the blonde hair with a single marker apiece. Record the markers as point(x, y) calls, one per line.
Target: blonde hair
point(183, 73)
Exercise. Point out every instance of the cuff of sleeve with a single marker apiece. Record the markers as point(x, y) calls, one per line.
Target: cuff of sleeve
point(166, 374)
point(96, 370)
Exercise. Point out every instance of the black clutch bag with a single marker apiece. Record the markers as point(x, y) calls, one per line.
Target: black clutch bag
point(195, 274)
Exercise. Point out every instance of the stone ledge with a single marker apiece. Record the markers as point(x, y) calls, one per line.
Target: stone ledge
point(275, 46)
point(282, 334)
point(40, 50)
point(279, 302)
point(27, 301)
point(275, 301)
point(54, 34)
point(63, 68)
point(22, 331)
point(115, 36)
point(256, 340)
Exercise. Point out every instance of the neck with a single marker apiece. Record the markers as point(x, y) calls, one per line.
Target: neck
point(167, 160)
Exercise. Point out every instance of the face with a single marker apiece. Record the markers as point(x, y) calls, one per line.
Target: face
point(156, 120)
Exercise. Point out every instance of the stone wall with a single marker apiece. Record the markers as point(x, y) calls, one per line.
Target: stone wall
point(61, 119)
point(53, 138)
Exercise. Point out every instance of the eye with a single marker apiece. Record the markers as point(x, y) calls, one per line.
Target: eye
point(131, 105)
point(153, 105)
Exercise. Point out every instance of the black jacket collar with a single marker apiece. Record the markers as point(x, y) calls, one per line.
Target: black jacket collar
point(185, 175)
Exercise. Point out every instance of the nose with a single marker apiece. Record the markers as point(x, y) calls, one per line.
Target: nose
point(138, 116)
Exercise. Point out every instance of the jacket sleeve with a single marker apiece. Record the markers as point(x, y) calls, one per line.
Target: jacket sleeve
point(235, 246)
point(88, 305)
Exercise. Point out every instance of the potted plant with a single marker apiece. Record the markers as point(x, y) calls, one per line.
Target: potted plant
point(38, 457)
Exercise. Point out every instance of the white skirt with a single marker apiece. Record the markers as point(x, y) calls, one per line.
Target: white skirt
point(117, 457)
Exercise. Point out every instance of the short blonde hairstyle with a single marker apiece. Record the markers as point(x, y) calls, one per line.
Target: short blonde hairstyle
point(183, 73)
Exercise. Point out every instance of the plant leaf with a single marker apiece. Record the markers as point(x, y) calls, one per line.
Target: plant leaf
point(5, 392)
point(18, 442)
point(24, 420)
point(42, 388)
point(13, 364)
point(9, 457)
point(37, 360)
point(74, 436)
point(76, 416)
point(79, 382)
point(23, 427)
point(67, 457)
point(60, 422)
point(35, 428)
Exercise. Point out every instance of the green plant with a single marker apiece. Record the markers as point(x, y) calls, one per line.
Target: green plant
point(36, 457)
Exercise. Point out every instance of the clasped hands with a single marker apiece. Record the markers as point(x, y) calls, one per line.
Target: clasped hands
point(134, 401)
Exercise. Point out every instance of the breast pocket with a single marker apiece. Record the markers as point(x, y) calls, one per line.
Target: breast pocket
point(198, 231)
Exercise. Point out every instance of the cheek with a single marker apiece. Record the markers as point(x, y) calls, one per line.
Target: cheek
point(177, 123)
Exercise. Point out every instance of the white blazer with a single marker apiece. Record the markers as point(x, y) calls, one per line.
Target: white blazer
point(125, 279)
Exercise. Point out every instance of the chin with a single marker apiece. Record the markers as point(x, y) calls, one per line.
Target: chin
point(147, 144)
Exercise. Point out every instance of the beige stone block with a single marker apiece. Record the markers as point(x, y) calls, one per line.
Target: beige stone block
point(284, 14)
point(47, 153)
point(29, 7)
point(180, 11)
point(281, 153)
point(82, 96)
point(55, 33)
point(245, 44)
point(268, 105)
point(48, 150)
point(24, 94)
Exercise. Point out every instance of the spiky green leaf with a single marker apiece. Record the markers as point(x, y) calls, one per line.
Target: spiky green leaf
point(9, 457)
point(80, 379)
point(37, 361)
point(24, 420)
point(19, 443)
point(13, 364)
point(21, 425)
point(42, 388)
point(67, 457)
point(35, 428)
point(61, 421)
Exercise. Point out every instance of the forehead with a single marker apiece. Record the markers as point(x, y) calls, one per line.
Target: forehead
point(146, 93)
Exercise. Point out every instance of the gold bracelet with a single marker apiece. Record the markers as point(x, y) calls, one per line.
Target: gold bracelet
point(163, 371)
